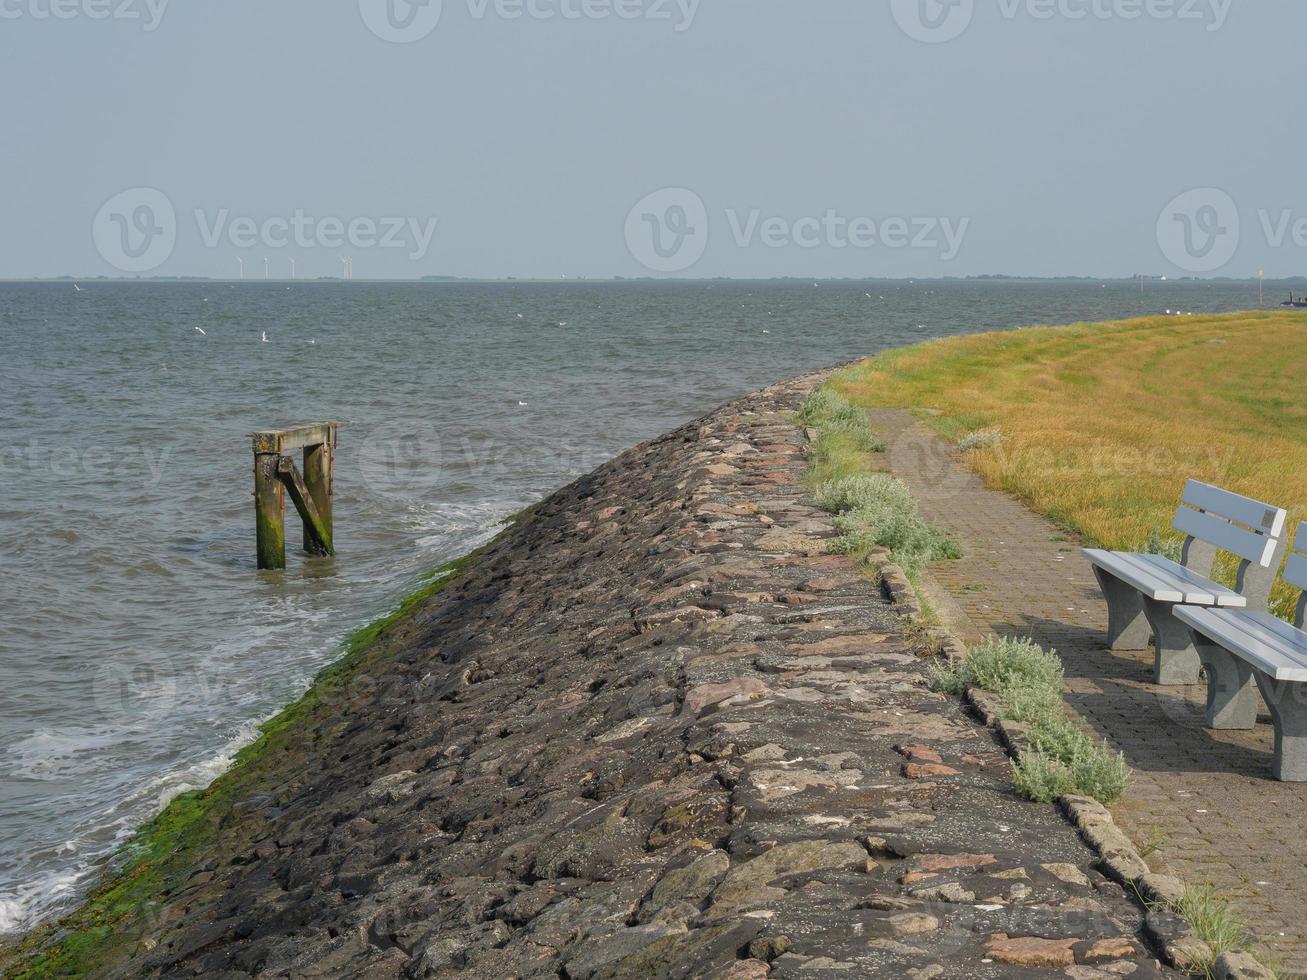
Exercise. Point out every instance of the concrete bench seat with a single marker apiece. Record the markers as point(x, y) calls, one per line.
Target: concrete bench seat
point(1163, 580)
point(1237, 647)
point(1142, 590)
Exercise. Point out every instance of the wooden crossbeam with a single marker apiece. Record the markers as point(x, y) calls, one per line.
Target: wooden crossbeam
point(317, 532)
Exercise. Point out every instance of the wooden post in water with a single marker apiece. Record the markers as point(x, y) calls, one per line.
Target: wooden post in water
point(275, 473)
point(269, 520)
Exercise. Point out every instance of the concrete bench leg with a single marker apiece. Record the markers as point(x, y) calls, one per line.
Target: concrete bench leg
point(1127, 627)
point(1176, 659)
point(1288, 703)
point(1231, 693)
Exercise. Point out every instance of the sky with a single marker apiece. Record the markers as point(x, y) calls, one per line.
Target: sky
point(684, 138)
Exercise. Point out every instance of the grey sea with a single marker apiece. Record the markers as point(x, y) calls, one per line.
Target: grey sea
point(139, 646)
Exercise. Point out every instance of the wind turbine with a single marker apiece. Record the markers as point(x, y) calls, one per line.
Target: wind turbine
point(345, 270)
point(292, 267)
point(265, 268)
point(241, 261)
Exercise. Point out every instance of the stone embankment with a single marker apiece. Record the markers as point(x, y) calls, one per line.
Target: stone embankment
point(655, 730)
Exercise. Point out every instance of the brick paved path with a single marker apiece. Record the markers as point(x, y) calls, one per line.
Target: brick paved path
point(1210, 793)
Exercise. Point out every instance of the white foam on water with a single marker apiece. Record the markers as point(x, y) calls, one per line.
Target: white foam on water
point(29, 903)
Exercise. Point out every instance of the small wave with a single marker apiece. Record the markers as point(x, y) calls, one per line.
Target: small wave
point(25, 905)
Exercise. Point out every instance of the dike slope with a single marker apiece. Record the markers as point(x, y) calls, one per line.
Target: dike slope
point(654, 730)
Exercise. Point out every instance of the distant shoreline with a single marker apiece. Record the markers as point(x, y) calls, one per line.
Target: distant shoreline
point(618, 280)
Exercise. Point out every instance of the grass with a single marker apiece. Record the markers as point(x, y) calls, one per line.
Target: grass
point(871, 508)
point(1216, 924)
point(116, 917)
point(1061, 759)
point(843, 438)
point(1102, 423)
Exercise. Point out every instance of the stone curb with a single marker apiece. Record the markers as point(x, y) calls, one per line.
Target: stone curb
point(1171, 934)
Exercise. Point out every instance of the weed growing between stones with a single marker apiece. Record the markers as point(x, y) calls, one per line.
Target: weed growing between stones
point(1214, 922)
point(1061, 759)
point(875, 510)
point(843, 440)
point(872, 510)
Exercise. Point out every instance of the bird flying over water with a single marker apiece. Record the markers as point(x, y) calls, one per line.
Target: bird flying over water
point(201, 332)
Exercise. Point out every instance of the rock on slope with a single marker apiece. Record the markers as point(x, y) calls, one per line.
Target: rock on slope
point(656, 730)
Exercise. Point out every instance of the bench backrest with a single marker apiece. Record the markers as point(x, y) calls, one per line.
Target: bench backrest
point(1295, 570)
point(1245, 527)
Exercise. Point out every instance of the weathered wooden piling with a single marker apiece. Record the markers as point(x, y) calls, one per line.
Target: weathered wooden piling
point(275, 473)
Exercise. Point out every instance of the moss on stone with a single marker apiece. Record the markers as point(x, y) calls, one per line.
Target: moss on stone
point(116, 919)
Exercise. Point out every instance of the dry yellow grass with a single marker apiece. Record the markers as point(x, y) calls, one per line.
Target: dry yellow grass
point(1102, 423)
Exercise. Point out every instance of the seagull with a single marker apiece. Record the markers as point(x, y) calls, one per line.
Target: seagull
point(265, 336)
point(77, 287)
point(519, 316)
point(521, 405)
point(201, 332)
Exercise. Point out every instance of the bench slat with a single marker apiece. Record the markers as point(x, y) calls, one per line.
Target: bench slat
point(1243, 637)
point(1246, 544)
point(1160, 581)
point(1275, 630)
point(1198, 594)
point(1295, 572)
point(1147, 582)
point(1220, 595)
point(1236, 507)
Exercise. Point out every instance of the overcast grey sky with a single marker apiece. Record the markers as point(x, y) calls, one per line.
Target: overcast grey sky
point(507, 138)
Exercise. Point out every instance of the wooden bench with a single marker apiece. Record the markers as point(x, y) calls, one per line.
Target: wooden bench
point(1236, 645)
point(1142, 590)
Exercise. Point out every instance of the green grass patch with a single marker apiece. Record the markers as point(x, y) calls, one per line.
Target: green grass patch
point(876, 510)
point(117, 916)
point(1215, 922)
point(1102, 423)
point(1062, 759)
point(843, 439)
